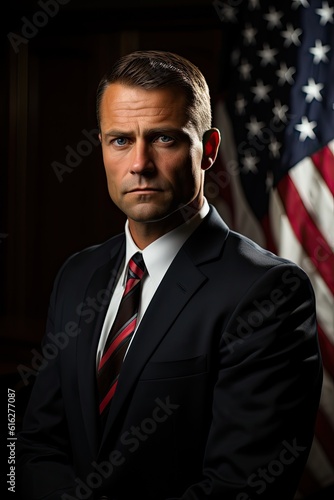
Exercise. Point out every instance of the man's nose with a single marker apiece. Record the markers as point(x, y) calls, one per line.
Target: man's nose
point(142, 160)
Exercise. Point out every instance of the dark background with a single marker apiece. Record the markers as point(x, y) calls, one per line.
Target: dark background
point(48, 82)
point(52, 60)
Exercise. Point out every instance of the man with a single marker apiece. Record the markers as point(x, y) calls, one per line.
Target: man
point(220, 371)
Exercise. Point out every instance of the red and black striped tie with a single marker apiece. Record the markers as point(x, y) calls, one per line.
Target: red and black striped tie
point(120, 334)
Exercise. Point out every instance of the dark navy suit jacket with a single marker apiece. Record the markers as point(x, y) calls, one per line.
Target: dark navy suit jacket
point(217, 396)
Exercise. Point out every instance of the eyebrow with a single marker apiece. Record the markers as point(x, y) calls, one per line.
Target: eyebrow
point(149, 132)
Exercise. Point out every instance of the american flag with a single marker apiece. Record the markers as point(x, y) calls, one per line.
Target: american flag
point(274, 178)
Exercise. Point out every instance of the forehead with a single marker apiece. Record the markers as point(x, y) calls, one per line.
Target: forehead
point(122, 103)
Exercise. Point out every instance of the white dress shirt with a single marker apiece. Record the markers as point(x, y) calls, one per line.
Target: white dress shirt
point(158, 256)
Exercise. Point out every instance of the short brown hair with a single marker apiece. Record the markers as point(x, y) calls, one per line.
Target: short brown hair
point(153, 69)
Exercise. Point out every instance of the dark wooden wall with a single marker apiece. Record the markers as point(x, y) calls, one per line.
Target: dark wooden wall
point(48, 83)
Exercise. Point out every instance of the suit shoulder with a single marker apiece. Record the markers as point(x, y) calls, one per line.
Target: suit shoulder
point(254, 265)
point(216, 242)
point(90, 258)
point(250, 251)
point(254, 261)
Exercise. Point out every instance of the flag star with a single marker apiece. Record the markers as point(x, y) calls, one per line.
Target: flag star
point(254, 126)
point(274, 147)
point(326, 14)
point(249, 34)
point(280, 111)
point(267, 55)
point(254, 4)
point(229, 13)
point(261, 91)
point(306, 129)
point(291, 35)
point(249, 162)
point(319, 52)
point(245, 69)
point(240, 104)
point(273, 18)
point(285, 74)
point(298, 3)
point(312, 90)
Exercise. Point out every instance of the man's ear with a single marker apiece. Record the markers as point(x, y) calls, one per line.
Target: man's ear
point(100, 137)
point(211, 141)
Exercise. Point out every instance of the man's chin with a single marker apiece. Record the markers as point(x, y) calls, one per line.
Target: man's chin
point(148, 216)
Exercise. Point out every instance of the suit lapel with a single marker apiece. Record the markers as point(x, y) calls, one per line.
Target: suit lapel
point(180, 283)
point(99, 287)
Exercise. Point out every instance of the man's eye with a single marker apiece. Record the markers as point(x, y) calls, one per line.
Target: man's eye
point(120, 141)
point(165, 138)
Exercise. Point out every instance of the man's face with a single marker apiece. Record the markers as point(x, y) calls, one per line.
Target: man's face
point(152, 154)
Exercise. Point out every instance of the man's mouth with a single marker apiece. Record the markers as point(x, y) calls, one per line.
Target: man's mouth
point(145, 189)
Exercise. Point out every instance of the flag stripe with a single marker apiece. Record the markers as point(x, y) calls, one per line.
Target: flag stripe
point(306, 231)
point(316, 197)
point(324, 428)
point(325, 434)
point(324, 161)
point(327, 351)
point(289, 247)
point(318, 462)
point(327, 398)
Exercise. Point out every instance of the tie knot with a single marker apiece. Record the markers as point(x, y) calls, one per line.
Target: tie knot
point(137, 266)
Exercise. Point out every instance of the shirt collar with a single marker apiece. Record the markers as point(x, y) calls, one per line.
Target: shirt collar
point(160, 253)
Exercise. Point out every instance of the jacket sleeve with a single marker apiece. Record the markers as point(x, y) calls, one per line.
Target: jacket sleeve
point(44, 457)
point(267, 393)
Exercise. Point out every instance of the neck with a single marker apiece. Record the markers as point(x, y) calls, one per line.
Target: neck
point(144, 233)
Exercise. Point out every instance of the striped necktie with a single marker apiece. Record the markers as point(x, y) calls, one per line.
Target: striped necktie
point(120, 334)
